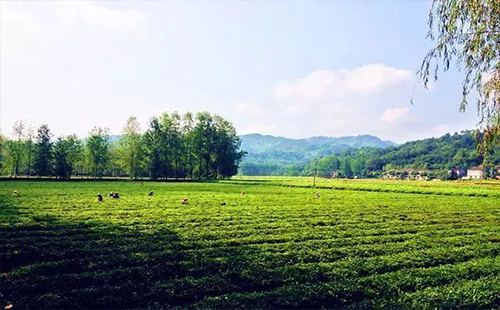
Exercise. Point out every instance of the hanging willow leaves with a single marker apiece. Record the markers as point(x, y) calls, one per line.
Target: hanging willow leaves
point(468, 32)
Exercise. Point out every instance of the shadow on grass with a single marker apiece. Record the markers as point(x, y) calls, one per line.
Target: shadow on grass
point(52, 263)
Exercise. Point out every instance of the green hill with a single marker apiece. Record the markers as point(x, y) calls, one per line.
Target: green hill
point(269, 155)
point(363, 156)
point(436, 154)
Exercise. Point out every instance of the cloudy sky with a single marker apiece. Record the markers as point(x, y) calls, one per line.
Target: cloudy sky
point(288, 68)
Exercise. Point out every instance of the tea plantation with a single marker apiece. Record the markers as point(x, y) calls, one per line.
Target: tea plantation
point(360, 245)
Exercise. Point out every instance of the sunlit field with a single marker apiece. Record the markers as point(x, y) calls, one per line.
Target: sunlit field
point(360, 244)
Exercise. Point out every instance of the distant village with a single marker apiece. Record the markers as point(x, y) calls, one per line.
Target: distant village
point(473, 173)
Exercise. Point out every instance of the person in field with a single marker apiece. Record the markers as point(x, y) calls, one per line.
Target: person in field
point(114, 195)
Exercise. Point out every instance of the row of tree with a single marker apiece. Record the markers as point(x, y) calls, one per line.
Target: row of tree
point(174, 146)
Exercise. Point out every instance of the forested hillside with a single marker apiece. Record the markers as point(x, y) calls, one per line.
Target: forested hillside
point(437, 154)
point(269, 155)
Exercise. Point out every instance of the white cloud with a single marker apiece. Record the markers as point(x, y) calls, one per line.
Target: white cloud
point(395, 115)
point(92, 14)
point(349, 101)
point(368, 79)
point(315, 85)
point(375, 77)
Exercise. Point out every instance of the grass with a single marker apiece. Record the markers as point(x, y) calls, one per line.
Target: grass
point(362, 244)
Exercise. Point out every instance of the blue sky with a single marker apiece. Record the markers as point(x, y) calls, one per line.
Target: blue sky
point(288, 68)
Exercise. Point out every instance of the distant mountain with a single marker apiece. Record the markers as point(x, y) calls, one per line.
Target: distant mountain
point(266, 149)
point(365, 156)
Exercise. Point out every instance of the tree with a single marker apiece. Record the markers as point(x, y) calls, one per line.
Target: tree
point(16, 147)
point(98, 145)
point(227, 154)
point(43, 151)
point(62, 165)
point(178, 146)
point(188, 135)
point(75, 152)
point(3, 143)
point(152, 148)
point(67, 152)
point(130, 146)
point(30, 148)
point(171, 143)
point(203, 135)
point(345, 168)
point(358, 167)
point(468, 31)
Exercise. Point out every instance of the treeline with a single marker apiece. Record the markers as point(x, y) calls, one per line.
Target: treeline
point(173, 146)
point(435, 154)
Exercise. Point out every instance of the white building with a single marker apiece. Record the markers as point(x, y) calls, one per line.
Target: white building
point(475, 173)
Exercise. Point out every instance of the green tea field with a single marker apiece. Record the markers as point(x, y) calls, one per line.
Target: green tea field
point(359, 245)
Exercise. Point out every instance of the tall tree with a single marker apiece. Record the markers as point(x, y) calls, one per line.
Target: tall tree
point(3, 143)
point(75, 153)
point(187, 133)
point(67, 152)
point(30, 149)
point(152, 141)
point(130, 146)
point(62, 165)
point(203, 138)
point(16, 147)
point(227, 154)
point(176, 143)
point(98, 145)
point(169, 144)
point(468, 31)
point(43, 151)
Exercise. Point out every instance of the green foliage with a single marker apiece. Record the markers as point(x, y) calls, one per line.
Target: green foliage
point(16, 148)
point(67, 152)
point(62, 167)
point(179, 146)
point(345, 168)
point(129, 149)
point(365, 244)
point(43, 152)
point(98, 146)
point(3, 144)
